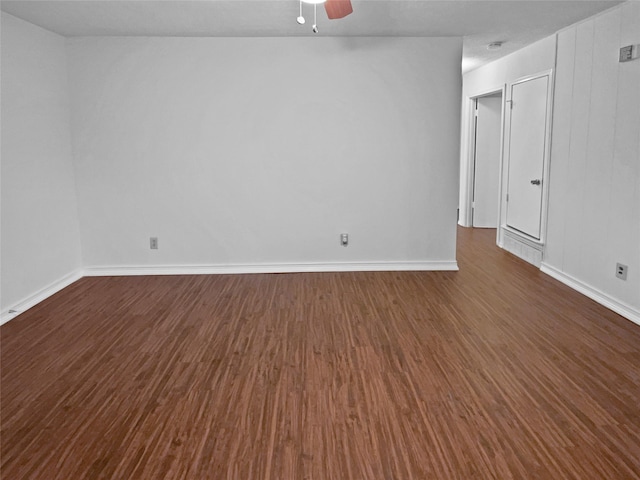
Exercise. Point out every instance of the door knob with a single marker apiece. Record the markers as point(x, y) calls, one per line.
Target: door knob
point(535, 182)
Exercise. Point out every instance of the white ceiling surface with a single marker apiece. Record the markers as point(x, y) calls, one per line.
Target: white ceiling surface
point(515, 22)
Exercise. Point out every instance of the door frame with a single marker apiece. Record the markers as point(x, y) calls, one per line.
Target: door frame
point(471, 149)
point(545, 162)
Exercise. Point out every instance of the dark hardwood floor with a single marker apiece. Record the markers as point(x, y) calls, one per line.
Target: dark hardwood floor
point(495, 371)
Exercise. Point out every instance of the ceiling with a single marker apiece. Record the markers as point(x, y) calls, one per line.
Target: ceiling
point(517, 23)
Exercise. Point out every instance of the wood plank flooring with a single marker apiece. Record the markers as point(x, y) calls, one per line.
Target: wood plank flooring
point(496, 371)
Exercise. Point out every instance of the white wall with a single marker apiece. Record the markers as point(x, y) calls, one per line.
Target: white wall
point(594, 202)
point(237, 151)
point(535, 58)
point(40, 244)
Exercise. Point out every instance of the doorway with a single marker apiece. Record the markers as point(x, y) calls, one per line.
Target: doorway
point(486, 159)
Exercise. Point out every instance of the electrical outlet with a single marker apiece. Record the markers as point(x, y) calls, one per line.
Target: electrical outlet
point(153, 243)
point(626, 53)
point(630, 52)
point(621, 271)
point(344, 239)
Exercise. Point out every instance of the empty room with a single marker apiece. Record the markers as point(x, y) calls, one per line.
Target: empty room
point(339, 239)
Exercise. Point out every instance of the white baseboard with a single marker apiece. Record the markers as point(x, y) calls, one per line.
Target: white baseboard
point(602, 298)
point(55, 287)
point(98, 271)
point(32, 300)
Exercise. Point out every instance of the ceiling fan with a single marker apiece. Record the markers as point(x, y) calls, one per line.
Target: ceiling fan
point(334, 8)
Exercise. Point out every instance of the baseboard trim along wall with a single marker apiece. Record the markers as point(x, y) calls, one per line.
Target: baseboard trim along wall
point(120, 271)
point(602, 298)
point(39, 296)
point(268, 268)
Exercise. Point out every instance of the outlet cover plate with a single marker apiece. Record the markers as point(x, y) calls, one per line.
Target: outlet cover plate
point(621, 271)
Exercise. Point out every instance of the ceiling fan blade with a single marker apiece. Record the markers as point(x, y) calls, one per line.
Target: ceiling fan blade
point(338, 8)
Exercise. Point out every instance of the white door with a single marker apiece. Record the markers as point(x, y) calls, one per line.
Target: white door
point(527, 147)
point(487, 161)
